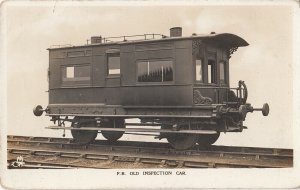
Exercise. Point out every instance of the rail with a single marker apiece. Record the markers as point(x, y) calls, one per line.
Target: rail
point(130, 154)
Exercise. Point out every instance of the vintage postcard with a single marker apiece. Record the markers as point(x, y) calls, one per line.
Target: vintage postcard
point(149, 94)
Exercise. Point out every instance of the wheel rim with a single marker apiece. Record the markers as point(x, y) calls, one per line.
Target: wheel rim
point(207, 139)
point(82, 136)
point(180, 141)
point(113, 136)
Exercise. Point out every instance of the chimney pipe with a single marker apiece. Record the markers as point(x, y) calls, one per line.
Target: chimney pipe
point(96, 39)
point(176, 32)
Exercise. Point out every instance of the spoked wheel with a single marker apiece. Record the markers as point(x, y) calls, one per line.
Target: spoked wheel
point(83, 136)
point(205, 140)
point(113, 136)
point(181, 141)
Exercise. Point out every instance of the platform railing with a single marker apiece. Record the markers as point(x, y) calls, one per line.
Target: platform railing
point(241, 93)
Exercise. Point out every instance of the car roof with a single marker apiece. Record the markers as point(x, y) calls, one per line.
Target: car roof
point(226, 40)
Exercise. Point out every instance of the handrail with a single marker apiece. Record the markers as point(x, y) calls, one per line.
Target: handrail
point(241, 92)
point(125, 38)
point(61, 46)
point(119, 39)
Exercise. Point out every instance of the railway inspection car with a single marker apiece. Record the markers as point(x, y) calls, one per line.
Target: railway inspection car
point(178, 83)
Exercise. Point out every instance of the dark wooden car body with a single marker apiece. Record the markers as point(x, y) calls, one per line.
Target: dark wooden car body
point(103, 95)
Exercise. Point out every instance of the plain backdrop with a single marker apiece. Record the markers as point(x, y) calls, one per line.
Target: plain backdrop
point(266, 65)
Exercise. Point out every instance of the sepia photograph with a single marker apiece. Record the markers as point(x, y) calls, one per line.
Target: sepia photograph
point(149, 94)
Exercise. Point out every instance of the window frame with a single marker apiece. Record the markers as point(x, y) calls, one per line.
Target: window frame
point(75, 81)
point(225, 72)
point(214, 72)
point(202, 69)
point(155, 83)
point(112, 54)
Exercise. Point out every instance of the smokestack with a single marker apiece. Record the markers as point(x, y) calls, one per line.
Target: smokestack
point(176, 32)
point(96, 39)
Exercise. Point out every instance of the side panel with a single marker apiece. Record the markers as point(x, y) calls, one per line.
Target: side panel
point(59, 62)
point(123, 89)
point(128, 68)
point(93, 91)
point(176, 92)
point(110, 96)
point(183, 62)
point(99, 70)
point(211, 93)
point(170, 95)
point(54, 73)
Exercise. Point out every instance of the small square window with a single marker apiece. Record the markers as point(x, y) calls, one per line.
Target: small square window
point(70, 72)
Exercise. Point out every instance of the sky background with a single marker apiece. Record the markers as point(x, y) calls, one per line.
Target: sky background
point(265, 65)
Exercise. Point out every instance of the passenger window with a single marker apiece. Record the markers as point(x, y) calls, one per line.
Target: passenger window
point(222, 73)
point(198, 70)
point(211, 68)
point(76, 74)
point(155, 71)
point(114, 64)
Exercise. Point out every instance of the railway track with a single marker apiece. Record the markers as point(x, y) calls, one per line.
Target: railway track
point(47, 152)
